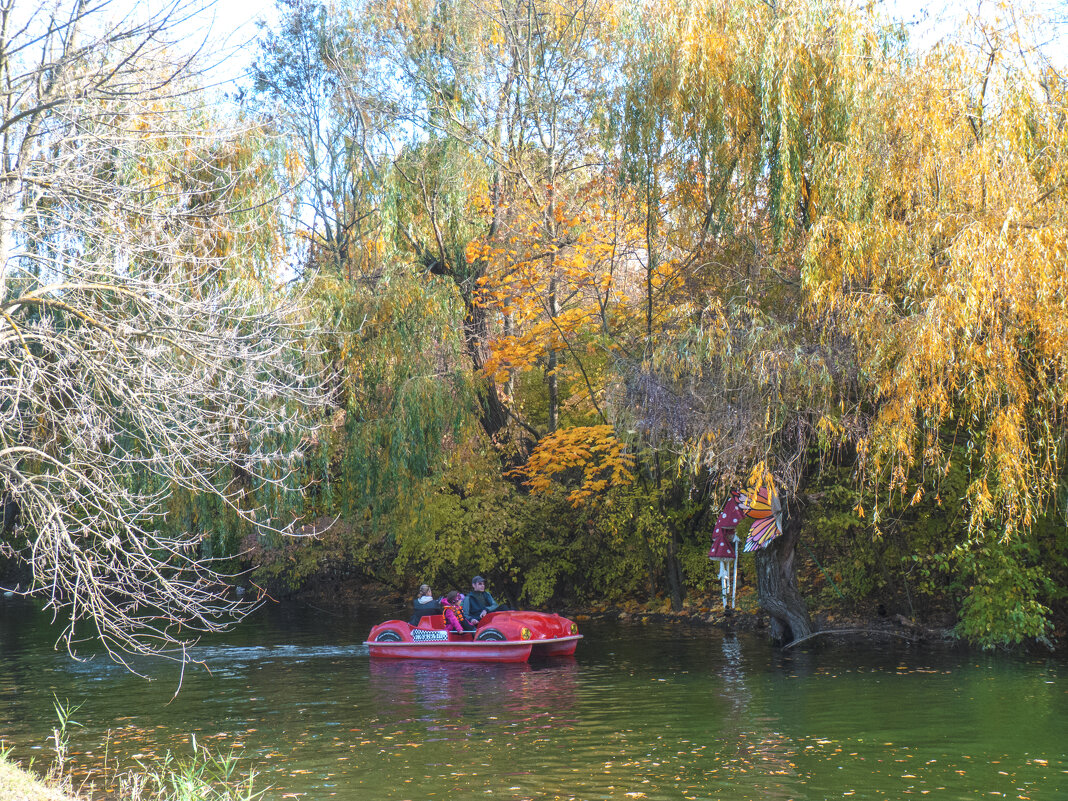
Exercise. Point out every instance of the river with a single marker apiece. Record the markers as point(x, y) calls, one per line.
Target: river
point(641, 712)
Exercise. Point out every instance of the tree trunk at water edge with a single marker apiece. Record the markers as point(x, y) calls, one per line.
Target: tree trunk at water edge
point(777, 583)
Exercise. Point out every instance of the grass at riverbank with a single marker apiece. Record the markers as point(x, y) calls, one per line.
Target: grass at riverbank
point(18, 785)
point(204, 777)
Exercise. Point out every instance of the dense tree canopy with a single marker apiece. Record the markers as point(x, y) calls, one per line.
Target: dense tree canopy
point(574, 269)
point(689, 238)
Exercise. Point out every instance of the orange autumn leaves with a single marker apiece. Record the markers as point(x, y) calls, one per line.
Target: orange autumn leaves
point(591, 457)
point(559, 279)
point(552, 278)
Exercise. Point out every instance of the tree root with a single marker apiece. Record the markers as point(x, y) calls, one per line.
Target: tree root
point(850, 631)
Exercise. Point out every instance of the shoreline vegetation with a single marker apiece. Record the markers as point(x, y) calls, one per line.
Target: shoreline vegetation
point(202, 775)
point(19, 784)
point(540, 318)
point(831, 623)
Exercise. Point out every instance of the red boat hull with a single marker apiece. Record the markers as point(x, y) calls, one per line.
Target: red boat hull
point(500, 637)
point(564, 646)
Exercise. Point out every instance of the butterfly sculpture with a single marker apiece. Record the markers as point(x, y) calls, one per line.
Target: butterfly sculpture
point(761, 504)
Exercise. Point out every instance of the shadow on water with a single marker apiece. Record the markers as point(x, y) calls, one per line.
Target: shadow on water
point(655, 712)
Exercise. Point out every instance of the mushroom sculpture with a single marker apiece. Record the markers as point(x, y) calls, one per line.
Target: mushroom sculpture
point(760, 503)
point(724, 546)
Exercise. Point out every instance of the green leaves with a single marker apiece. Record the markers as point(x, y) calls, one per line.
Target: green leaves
point(1004, 603)
point(402, 395)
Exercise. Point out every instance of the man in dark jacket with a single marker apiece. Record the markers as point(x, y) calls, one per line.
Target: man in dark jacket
point(478, 602)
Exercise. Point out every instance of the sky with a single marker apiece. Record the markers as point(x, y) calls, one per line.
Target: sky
point(225, 31)
point(233, 22)
point(230, 27)
point(930, 22)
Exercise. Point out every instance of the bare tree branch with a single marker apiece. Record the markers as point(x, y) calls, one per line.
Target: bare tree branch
point(142, 347)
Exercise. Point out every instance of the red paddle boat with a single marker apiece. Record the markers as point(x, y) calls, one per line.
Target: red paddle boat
point(499, 637)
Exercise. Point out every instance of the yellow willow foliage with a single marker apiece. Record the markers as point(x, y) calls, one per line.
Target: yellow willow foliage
point(591, 456)
point(752, 91)
point(942, 250)
point(753, 95)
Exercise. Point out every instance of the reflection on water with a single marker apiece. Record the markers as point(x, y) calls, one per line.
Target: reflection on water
point(639, 712)
point(524, 689)
point(734, 689)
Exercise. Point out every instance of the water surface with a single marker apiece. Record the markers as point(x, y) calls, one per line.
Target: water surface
point(651, 712)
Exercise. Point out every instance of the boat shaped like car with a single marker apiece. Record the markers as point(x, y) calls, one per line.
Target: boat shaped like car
point(499, 637)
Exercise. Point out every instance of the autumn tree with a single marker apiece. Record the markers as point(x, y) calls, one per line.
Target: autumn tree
point(940, 256)
point(508, 98)
point(858, 261)
point(728, 184)
point(392, 324)
point(143, 353)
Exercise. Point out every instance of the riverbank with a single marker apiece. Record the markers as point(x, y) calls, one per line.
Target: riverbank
point(826, 625)
point(17, 784)
point(203, 776)
point(830, 623)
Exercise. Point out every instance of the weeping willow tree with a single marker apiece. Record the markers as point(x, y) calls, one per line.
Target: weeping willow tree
point(763, 182)
point(382, 234)
point(752, 96)
point(400, 403)
point(941, 256)
point(405, 391)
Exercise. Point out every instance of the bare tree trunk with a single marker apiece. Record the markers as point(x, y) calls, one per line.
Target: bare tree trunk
point(777, 584)
point(553, 361)
point(674, 573)
point(494, 415)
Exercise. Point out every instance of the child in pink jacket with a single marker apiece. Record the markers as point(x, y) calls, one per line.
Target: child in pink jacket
point(452, 604)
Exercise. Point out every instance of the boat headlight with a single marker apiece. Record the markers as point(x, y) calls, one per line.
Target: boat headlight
point(574, 628)
point(524, 633)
